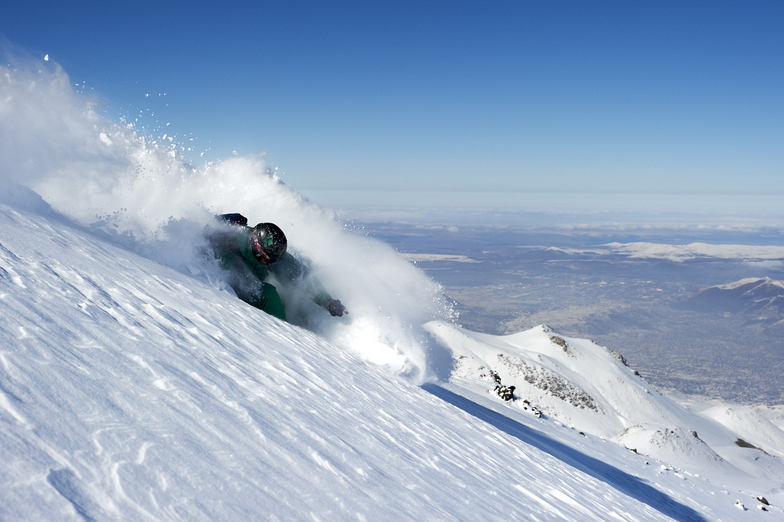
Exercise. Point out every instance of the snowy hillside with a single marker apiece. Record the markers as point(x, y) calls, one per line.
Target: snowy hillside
point(589, 388)
point(135, 385)
point(130, 390)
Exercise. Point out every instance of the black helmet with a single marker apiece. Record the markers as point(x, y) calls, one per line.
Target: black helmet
point(268, 243)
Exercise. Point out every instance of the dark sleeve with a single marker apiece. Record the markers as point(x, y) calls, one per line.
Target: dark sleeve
point(291, 271)
point(226, 250)
point(233, 219)
point(221, 248)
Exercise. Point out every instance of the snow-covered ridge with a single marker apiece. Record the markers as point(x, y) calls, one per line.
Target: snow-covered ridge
point(690, 251)
point(762, 299)
point(680, 253)
point(439, 257)
point(750, 280)
point(588, 387)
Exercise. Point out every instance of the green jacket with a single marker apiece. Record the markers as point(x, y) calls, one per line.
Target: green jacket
point(253, 281)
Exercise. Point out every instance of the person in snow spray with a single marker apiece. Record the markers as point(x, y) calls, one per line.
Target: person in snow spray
point(254, 256)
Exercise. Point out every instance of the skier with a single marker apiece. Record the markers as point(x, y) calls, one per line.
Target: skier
point(255, 256)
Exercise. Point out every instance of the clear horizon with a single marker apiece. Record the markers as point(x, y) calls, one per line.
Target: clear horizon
point(430, 97)
point(733, 213)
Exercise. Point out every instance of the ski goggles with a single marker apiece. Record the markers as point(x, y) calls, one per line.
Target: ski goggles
point(262, 255)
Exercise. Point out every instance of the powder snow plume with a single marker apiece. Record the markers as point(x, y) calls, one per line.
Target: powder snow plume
point(143, 194)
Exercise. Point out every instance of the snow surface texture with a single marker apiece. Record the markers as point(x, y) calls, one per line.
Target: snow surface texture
point(134, 385)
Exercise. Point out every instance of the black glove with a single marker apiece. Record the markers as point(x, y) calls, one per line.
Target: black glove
point(335, 307)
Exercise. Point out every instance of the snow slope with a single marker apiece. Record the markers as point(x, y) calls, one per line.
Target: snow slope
point(130, 390)
point(134, 385)
point(580, 384)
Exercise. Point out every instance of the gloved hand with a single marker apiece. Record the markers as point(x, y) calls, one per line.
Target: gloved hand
point(335, 307)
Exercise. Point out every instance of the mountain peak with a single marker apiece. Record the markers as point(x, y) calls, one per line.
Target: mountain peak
point(760, 298)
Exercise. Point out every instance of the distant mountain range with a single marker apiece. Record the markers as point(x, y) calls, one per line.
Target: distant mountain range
point(763, 298)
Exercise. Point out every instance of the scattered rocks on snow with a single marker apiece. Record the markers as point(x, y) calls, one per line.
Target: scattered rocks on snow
point(505, 392)
point(618, 356)
point(743, 444)
point(560, 341)
point(549, 382)
point(763, 500)
point(536, 411)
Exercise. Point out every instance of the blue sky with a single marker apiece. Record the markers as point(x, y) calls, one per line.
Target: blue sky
point(581, 97)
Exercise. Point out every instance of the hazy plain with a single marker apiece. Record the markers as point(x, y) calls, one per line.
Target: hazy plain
point(623, 289)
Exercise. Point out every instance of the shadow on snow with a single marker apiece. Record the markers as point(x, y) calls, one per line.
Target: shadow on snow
point(614, 477)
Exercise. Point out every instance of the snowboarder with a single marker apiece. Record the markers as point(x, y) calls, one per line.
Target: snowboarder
point(255, 256)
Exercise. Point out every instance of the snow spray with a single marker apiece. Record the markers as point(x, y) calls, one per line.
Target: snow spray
point(141, 193)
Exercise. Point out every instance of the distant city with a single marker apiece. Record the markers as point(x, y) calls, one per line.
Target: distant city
point(633, 297)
